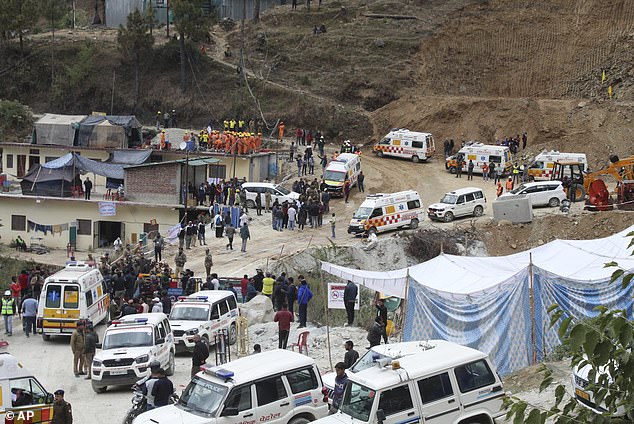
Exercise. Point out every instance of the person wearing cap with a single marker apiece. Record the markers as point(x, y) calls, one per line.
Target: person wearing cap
point(62, 411)
point(9, 308)
point(77, 345)
point(209, 261)
point(179, 260)
point(200, 355)
point(267, 285)
point(158, 306)
point(90, 347)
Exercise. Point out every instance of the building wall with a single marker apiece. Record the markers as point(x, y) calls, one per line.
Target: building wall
point(49, 211)
point(153, 184)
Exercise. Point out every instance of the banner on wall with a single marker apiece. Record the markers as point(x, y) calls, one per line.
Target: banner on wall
point(107, 208)
point(335, 296)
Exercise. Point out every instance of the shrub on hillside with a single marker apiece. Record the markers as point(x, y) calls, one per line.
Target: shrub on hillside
point(15, 118)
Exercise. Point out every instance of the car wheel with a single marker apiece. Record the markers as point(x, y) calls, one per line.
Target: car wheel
point(478, 211)
point(233, 334)
point(299, 420)
point(452, 169)
point(554, 202)
point(379, 153)
point(46, 337)
point(250, 204)
point(99, 389)
point(413, 224)
point(171, 365)
point(448, 217)
point(415, 159)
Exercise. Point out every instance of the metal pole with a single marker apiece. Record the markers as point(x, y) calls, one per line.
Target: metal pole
point(532, 306)
point(321, 274)
point(186, 182)
point(167, 18)
point(235, 157)
point(405, 305)
point(114, 74)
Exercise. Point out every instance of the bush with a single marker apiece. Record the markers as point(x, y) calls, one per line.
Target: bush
point(15, 118)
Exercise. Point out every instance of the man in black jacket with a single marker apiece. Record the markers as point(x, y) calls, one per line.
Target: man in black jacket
point(349, 299)
point(200, 355)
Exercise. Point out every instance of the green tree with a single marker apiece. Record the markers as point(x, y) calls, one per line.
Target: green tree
point(20, 16)
point(150, 18)
point(135, 42)
point(605, 344)
point(191, 22)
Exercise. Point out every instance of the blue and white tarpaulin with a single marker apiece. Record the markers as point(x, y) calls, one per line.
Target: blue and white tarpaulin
point(483, 302)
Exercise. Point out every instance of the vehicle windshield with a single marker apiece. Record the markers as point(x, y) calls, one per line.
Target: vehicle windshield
point(334, 175)
point(366, 361)
point(357, 401)
point(518, 189)
point(449, 199)
point(202, 396)
point(282, 190)
point(122, 338)
point(362, 213)
point(190, 313)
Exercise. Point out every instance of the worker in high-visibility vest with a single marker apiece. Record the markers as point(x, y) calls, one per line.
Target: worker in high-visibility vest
point(509, 184)
point(281, 128)
point(162, 145)
point(9, 308)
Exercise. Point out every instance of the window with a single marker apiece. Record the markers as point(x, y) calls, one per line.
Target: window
point(434, 388)
point(217, 171)
point(413, 204)
point(302, 380)
point(157, 334)
point(224, 309)
point(148, 228)
point(496, 159)
point(396, 400)
point(478, 195)
point(270, 390)
point(161, 328)
point(71, 297)
point(469, 197)
point(417, 144)
point(18, 223)
point(214, 312)
point(9, 161)
point(376, 212)
point(239, 398)
point(83, 227)
point(460, 199)
point(474, 375)
point(49, 159)
point(27, 391)
point(53, 296)
point(232, 302)
point(89, 298)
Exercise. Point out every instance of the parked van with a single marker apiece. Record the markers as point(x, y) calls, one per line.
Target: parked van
point(447, 383)
point(387, 211)
point(129, 345)
point(347, 166)
point(468, 201)
point(276, 387)
point(23, 397)
point(277, 192)
point(541, 168)
point(204, 313)
point(480, 153)
point(403, 143)
point(77, 292)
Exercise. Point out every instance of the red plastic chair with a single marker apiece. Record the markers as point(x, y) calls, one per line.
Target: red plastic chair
point(302, 342)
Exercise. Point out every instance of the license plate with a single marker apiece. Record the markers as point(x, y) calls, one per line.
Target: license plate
point(582, 394)
point(118, 372)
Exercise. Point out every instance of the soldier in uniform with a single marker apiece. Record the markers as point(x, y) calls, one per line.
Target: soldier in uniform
point(62, 411)
point(179, 261)
point(209, 262)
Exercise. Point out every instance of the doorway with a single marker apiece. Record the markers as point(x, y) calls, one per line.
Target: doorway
point(106, 232)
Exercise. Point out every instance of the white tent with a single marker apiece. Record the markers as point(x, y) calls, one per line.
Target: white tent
point(483, 302)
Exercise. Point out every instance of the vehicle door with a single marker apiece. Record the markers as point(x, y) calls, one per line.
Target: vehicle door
point(273, 401)
point(274, 195)
point(29, 401)
point(374, 219)
point(238, 406)
point(398, 406)
point(214, 324)
point(438, 398)
point(162, 346)
point(534, 193)
point(304, 387)
point(469, 203)
point(461, 208)
point(280, 196)
point(478, 387)
point(225, 316)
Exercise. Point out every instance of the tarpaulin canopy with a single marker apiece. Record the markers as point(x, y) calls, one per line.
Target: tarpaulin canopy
point(72, 160)
point(483, 302)
point(130, 157)
point(55, 182)
point(56, 129)
point(109, 131)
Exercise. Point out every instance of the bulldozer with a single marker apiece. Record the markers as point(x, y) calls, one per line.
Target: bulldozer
point(578, 183)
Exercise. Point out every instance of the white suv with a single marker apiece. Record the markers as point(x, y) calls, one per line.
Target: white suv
point(129, 345)
point(466, 201)
point(274, 387)
point(541, 193)
point(277, 192)
point(204, 313)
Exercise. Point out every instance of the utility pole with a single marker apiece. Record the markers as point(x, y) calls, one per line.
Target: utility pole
point(167, 18)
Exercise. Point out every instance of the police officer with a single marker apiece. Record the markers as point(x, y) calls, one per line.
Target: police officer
point(62, 411)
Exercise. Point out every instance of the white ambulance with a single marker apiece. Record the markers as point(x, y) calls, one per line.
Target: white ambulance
point(382, 212)
point(403, 143)
point(541, 168)
point(445, 384)
point(274, 387)
point(481, 153)
point(347, 166)
point(77, 292)
point(23, 399)
point(203, 313)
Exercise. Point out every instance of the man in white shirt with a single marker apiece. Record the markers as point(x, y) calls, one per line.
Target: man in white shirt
point(244, 218)
point(292, 214)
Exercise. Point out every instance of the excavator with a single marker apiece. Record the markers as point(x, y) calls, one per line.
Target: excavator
point(578, 183)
